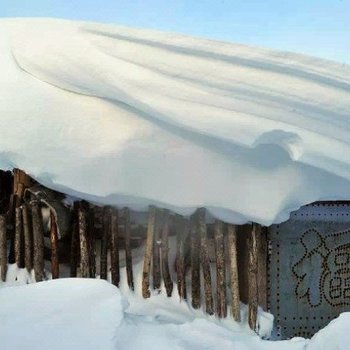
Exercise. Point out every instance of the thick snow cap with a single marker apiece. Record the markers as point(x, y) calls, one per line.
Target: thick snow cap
point(133, 117)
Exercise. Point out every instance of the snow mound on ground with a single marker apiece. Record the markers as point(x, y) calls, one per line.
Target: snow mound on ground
point(132, 117)
point(74, 314)
point(335, 336)
point(60, 314)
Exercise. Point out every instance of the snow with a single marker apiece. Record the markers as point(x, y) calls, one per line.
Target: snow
point(60, 314)
point(74, 314)
point(135, 117)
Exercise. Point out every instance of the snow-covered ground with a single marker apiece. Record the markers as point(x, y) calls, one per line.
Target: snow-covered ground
point(132, 117)
point(84, 314)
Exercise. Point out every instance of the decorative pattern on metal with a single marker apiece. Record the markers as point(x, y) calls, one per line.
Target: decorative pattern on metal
point(309, 269)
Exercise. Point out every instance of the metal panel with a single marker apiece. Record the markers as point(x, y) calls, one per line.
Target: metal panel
point(309, 269)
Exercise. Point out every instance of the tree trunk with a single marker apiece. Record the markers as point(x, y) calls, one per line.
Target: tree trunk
point(205, 262)
point(38, 240)
point(221, 308)
point(104, 241)
point(28, 238)
point(3, 248)
point(84, 247)
point(156, 266)
point(164, 254)
point(55, 267)
point(195, 264)
point(18, 237)
point(182, 230)
point(128, 256)
point(115, 248)
point(253, 276)
point(148, 253)
point(74, 251)
point(232, 253)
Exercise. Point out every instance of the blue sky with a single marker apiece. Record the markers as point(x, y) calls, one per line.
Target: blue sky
point(315, 27)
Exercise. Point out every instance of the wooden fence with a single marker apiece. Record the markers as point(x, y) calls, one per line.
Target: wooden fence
point(232, 257)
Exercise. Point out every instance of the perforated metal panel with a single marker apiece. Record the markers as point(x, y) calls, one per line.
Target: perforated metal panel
point(309, 269)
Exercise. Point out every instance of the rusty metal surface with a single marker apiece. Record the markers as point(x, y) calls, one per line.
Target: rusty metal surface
point(309, 269)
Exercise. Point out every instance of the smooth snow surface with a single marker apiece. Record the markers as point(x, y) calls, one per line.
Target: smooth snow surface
point(132, 117)
point(66, 314)
point(83, 314)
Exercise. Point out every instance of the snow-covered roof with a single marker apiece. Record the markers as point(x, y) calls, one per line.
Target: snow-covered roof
point(132, 117)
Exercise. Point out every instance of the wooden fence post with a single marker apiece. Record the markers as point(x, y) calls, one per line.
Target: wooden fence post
point(28, 238)
point(11, 220)
point(74, 252)
point(91, 242)
point(164, 254)
point(182, 231)
point(38, 240)
point(3, 248)
point(128, 255)
point(84, 247)
point(148, 253)
point(221, 307)
point(115, 273)
point(21, 181)
point(234, 282)
point(156, 267)
point(253, 276)
point(195, 263)
point(205, 262)
point(104, 241)
point(18, 237)
point(55, 267)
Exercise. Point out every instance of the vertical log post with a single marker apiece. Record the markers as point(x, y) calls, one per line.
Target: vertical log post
point(128, 256)
point(253, 276)
point(115, 248)
point(232, 253)
point(156, 267)
point(3, 248)
point(221, 306)
point(262, 268)
point(11, 228)
point(38, 241)
point(195, 264)
point(164, 254)
point(18, 236)
point(205, 262)
point(28, 238)
point(182, 231)
point(55, 267)
point(74, 249)
point(84, 247)
point(104, 241)
point(91, 236)
point(148, 253)
point(20, 182)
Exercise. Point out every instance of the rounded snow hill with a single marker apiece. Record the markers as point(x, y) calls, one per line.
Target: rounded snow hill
point(70, 313)
point(135, 117)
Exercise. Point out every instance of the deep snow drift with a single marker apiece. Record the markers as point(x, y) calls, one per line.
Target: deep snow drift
point(77, 314)
point(132, 117)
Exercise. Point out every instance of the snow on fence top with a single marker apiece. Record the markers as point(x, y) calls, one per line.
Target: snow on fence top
point(132, 117)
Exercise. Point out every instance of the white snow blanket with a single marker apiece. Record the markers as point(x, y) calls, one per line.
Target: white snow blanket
point(83, 314)
point(132, 117)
